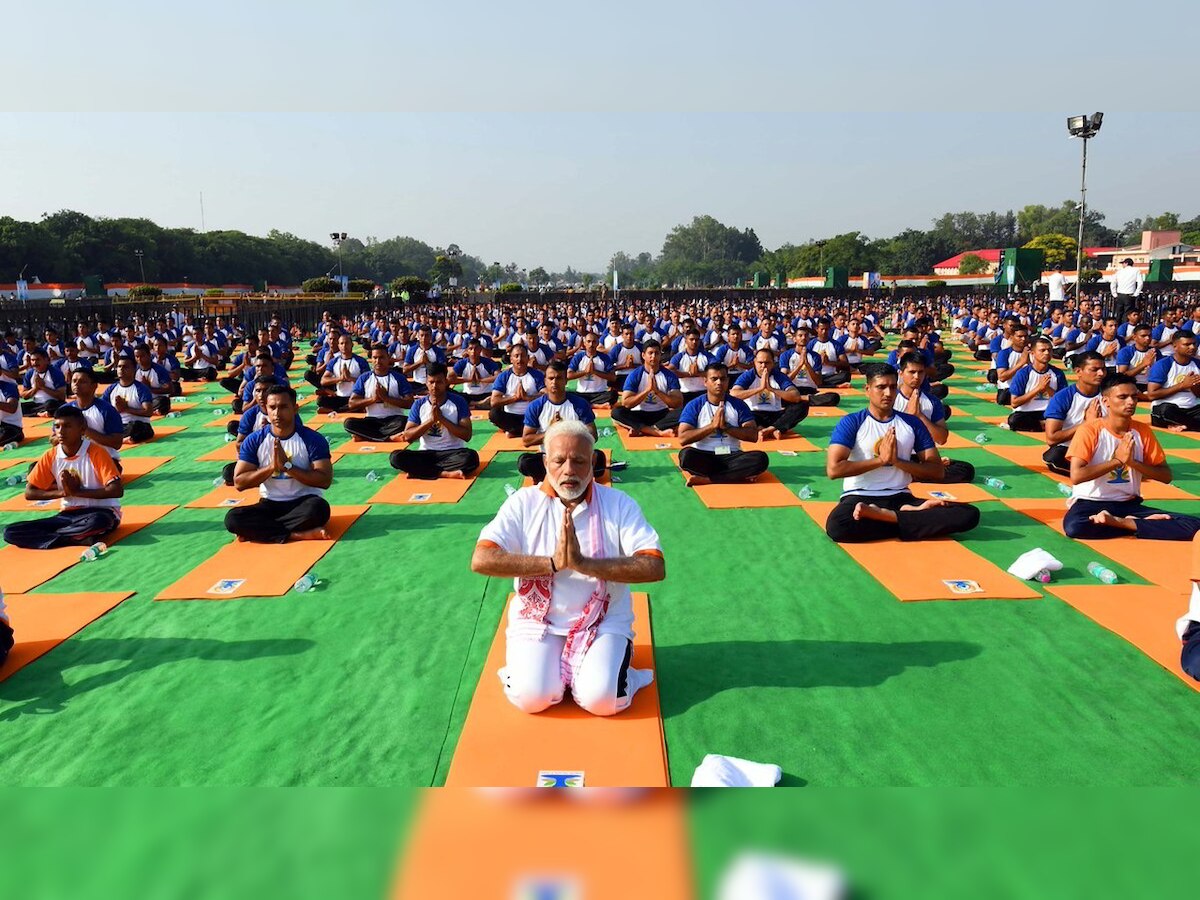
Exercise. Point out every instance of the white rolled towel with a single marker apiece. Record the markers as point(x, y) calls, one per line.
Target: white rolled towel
point(729, 771)
point(1030, 563)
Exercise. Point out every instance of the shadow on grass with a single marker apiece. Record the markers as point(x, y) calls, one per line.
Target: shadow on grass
point(43, 689)
point(692, 673)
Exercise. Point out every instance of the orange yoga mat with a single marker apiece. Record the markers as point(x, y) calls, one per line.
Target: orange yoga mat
point(41, 622)
point(370, 448)
point(764, 491)
point(227, 452)
point(223, 497)
point(796, 444)
point(1142, 614)
point(195, 387)
point(178, 405)
point(1159, 562)
point(991, 420)
point(826, 412)
point(1191, 454)
point(8, 462)
point(645, 441)
point(637, 845)
point(500, 746)
point(502, 443)
point(961, 493)
point(404, 491)
point(955, 441)
point(222, 421)
point(243, 569)
point(23, 570)
point(927, 570)
point(1030, 457)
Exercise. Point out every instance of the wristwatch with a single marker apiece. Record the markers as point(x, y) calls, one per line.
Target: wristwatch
point(287, 466)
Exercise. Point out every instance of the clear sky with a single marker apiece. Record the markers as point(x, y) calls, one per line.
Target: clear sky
point(608, 135)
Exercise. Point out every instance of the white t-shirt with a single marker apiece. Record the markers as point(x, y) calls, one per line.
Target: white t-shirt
point(1057, 284)
point(354, 367)
point(454, 409)
point(862, 432)
point(529, 522)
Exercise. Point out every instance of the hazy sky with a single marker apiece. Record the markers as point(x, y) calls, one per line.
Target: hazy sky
point(402, 148)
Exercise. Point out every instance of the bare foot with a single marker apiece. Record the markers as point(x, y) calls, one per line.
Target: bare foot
point(696, 480)
point(871, 511)
point(312, 534)
point(457, 473)
point(1176, 428)
point(666, 432)
point(1158, 516)
point(1104, 517)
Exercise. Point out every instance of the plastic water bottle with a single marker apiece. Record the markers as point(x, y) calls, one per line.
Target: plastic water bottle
point(994, 482)
point(11, 445)
point(1005, 426)
point(1102, 572)
point(174, 414)
point(1064, 489)
point(509, 489)
point(229, 438)
point(13, 480)
point(606, 432)
point(982, 438)
point(331, 415)
point(805, 493)
point(306, 583)
point(1043, 576)
point(982, 387)
point(372, 475)
point(218, 481)
point(94, 552)
point(218, 412)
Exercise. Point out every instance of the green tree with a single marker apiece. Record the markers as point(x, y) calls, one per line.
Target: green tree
point(444, 268)
point(708, 252)
point(972, 264)
point(1035, 220)
point(914, 252)
point(1057, 248)
point(539, 276)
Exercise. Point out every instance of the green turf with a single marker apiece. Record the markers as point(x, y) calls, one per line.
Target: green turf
point(771, 644)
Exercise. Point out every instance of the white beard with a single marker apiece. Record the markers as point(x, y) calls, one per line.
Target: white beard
point(572, 494)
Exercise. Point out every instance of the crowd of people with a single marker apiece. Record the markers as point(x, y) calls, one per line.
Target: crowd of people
point(723, 379)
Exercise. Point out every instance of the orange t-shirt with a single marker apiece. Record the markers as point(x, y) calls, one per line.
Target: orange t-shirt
point(92, 464)
point(1094, 443)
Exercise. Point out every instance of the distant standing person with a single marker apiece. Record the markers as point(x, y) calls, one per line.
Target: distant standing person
point(1058, 288)
point(1126, 288)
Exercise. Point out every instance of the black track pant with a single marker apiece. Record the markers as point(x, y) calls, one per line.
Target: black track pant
point(911, 525)
point(636, 419)
point(376, 428)
point(1190, 658)
point(594, 397)
point(820, 398)
point(1163, 415)
point(533, 465)
point(430, 464)
point(723, 468)
point(11, 434)
point(273, 521)
point(512, 424)
point(333, 403)
point(835, 379)
point(784, 419)
point(200, 374)
point(36, 408)
point(161, 404)
point(232, 383)
point(1056, 459)
point(139, 432)
point(70, 527)
point(1027, 421)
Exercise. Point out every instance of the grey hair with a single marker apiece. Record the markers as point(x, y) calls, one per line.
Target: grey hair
point(568, 428)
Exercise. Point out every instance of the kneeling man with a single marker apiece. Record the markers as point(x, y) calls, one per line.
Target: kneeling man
point(290, 465)
point(573, 547)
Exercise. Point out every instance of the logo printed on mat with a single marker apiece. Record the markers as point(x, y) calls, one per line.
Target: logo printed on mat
point(226, 586)
point(962, 586)
point(555, 779)
point(231, 501)
point(545, 887)
point(419, 498)
point(367, 448)
point(942, 495)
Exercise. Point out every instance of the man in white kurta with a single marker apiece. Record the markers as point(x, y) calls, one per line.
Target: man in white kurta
point(573, 547)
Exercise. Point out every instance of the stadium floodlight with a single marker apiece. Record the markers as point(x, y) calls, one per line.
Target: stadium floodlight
point(1082, 127)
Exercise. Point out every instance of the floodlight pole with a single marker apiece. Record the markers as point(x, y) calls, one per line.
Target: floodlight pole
point(1082, 213)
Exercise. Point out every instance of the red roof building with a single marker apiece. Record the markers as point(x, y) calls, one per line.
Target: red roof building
point(950, 266)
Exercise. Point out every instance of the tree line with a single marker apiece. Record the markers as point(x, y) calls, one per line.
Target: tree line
point(69, 246)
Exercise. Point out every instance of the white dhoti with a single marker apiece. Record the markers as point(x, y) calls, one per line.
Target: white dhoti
point(604, 685)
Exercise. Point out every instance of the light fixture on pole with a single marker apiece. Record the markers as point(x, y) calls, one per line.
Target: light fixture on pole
point(141, 265)
point(338, 237)
point(1082, 127)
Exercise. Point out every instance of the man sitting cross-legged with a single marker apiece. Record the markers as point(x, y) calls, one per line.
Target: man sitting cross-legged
point(556, 405)
point(1174, 386)
point(103, 424)
point(381, 394)
point(156, 379)
point(476, 373)
point(342, 372)
point(133, 401)
point(1033, 386)
point(12, 422)
point(83, 477)
point(253, 418)
point(803, 367)
point(573, 547)
point(43, 389)
point(872, 451)
point(441, 422)
point(773, 400)
point(913, 397)
point(689, 365)
point(512, 391)
point(291, 467)
point(650, 399)
point(1109, 458)
point(594, 369)
point(1072, 406)
point(711, 429)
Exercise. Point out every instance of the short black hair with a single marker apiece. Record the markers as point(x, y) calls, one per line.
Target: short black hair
point(912, 358)
point(280, 390)
point(875, 371)
point(557, 365)
point(1041, 339)
point(1183, 334)
point(85, 371)
point(436, 368)
point(268, 380)
point(1116, 379)
point(646, 346)
point(378, 346)
point(1087, 356)
point(715, 366)
point(72, 413)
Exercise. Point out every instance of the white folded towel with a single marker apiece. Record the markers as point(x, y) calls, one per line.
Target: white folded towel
point(729, 771)
point(1029, 564)
point(757, 876)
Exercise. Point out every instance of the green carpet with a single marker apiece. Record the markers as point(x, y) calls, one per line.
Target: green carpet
point(771, 644)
